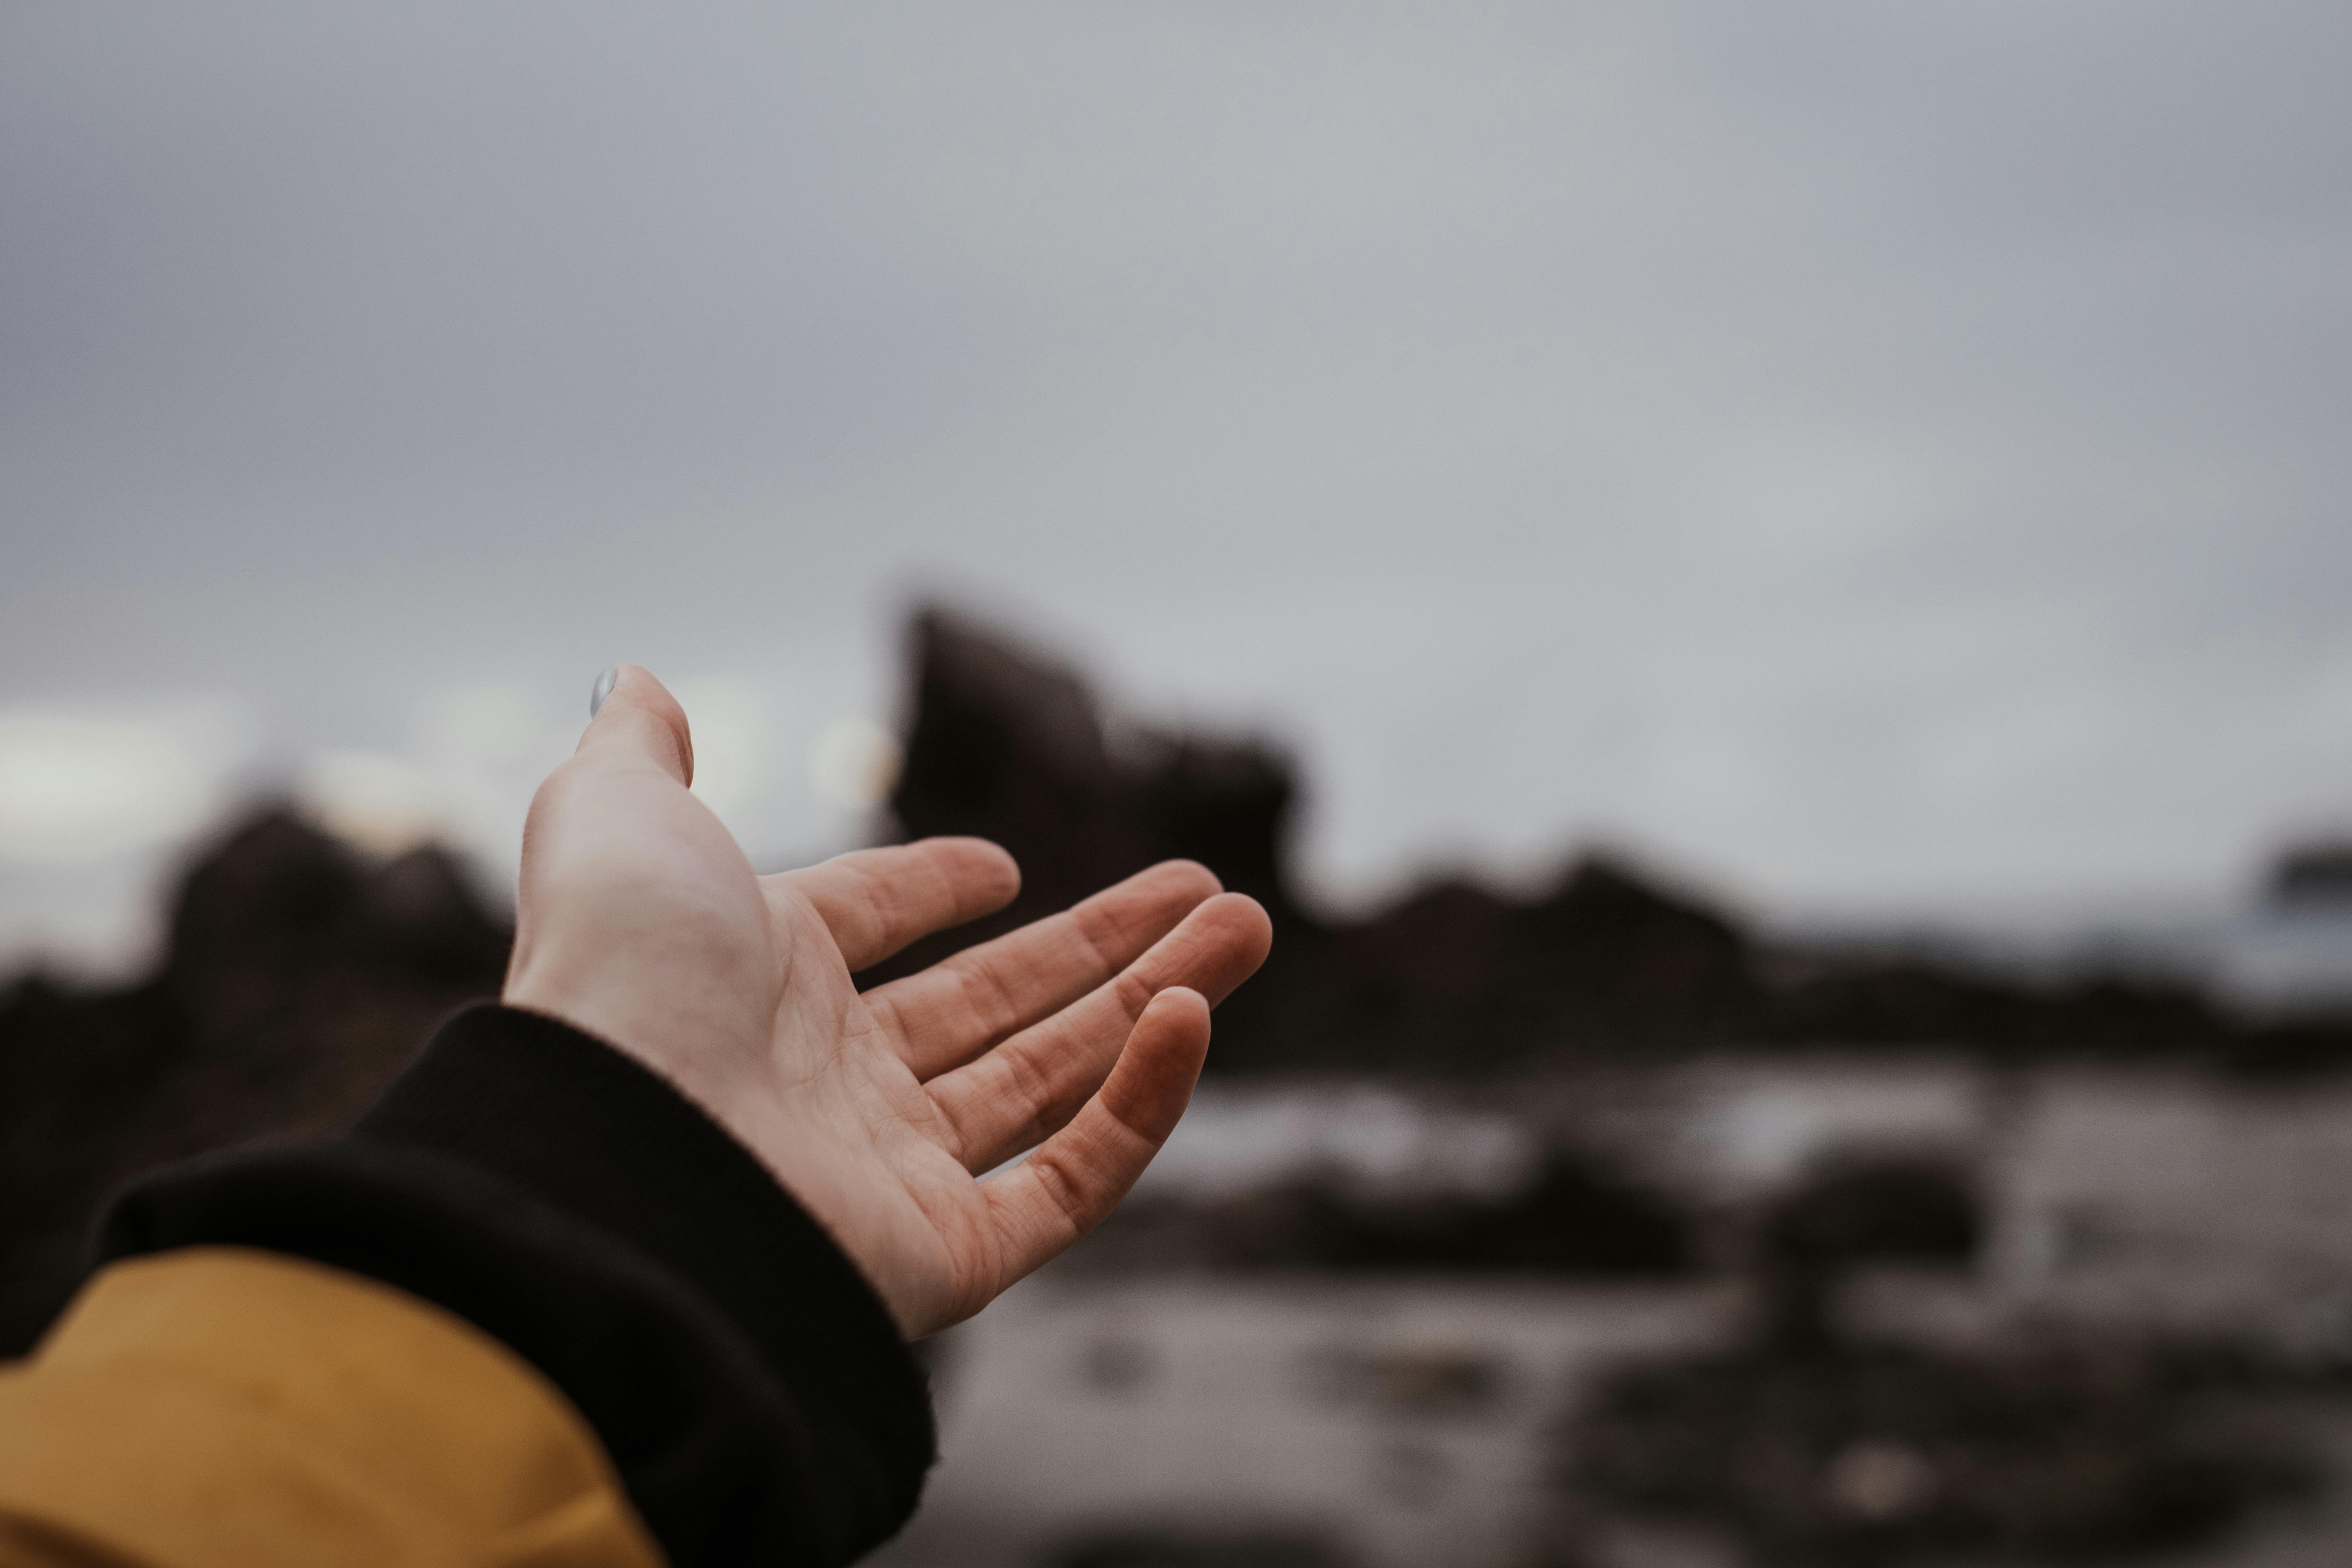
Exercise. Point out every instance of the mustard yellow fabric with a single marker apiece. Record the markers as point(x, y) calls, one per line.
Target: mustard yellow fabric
point(217, 1406)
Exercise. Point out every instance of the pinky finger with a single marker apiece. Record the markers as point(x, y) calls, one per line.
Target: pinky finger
point(1076, 1177)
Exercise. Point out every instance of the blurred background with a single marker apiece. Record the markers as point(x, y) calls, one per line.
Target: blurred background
point(1762, 593)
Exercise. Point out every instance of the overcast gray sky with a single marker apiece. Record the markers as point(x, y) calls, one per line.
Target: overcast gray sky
point(1879, 459)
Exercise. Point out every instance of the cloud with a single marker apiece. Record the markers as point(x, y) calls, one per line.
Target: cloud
point(79, 785)
point(96, 801)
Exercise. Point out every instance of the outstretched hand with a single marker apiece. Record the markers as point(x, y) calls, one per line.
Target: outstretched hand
point(1079, 1036)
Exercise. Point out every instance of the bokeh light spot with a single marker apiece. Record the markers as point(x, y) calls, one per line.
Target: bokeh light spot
point(853, 764)
point(734, 741)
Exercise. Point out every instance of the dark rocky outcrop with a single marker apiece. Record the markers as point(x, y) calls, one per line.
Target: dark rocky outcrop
point(1013, 748)
point(1166, 1547)
point(1574, 1217)
point(2312, 876)
point(1458, 979)
point(1855, 1212)
point(297, 979)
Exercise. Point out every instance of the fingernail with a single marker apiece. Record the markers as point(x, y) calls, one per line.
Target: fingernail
point(604, 690)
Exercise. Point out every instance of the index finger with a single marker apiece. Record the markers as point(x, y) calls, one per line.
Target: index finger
point(876, 901)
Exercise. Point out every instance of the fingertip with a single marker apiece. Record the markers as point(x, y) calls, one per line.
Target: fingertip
point(1251, 925)
point(1153, 1081)
point(1179, 1033)
point(1209, 883)
point(1178, 999)
point(630, 703)
point(995, 875)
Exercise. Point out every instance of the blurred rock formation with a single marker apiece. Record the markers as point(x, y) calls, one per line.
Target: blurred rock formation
point(1573, 1218)
point(297, 979)
point(2315, 874)
point(1458, 979)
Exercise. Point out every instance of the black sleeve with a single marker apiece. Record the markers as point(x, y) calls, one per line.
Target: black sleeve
point(750, 1386)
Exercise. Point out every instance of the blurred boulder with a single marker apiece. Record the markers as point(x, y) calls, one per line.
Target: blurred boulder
point(2314, 875)
point(1198, 1548)
point(1852, 1214)
point(298, 977)
point(1898, 999)
point(1876, 1210)
point(1573, 1218)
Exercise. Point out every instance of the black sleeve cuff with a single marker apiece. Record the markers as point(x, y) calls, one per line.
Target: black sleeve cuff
point(750, 1387)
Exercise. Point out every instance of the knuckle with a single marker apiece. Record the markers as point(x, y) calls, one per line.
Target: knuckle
point(1134, 991)
point(987, 996)
point(1064, 1188)
point(1100, 930)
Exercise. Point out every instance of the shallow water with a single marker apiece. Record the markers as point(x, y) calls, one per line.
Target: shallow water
point(1403, 1423)
point(1410, 1421)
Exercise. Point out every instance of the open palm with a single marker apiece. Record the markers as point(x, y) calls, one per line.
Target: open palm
point(1079, 1036)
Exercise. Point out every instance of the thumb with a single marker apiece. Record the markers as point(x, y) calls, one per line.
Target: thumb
point(632, 715)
